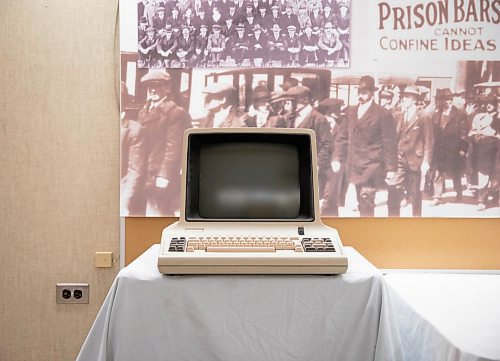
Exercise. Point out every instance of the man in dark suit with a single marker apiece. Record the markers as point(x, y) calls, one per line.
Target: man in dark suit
point(141, 29)
point(288, 18)
point(367, 145)
point(147, 49)
point(292, 45)
point(450, 132)
point(132, 162)
point(304, 116)
point(415, 146)
point(276, 44)
point(175, 20)
point(201, 46)
point(238, 45)
point(160, 19)
point(336, 185)
point(186, 48)
point(310, 49)
point(164, 123)
point(167, 46)
point(258, 46)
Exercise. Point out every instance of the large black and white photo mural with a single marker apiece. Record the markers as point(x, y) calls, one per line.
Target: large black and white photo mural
point(409, 128)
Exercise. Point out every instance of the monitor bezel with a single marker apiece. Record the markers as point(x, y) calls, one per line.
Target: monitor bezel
point(307, 172)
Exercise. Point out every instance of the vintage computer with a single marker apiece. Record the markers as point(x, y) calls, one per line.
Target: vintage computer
point(250, 205)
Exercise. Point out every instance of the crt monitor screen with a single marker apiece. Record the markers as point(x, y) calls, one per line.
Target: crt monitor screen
point(249, 176)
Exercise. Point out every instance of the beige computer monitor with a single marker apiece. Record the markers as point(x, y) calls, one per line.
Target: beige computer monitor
point(191, 173)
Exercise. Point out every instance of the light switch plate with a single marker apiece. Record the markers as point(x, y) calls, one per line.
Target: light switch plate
point(104, 259)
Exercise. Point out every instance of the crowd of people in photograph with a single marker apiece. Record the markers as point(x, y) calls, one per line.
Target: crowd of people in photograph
point(213, 33)
point(407, 146)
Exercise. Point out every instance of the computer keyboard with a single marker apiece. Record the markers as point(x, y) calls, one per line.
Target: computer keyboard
point(250, 244)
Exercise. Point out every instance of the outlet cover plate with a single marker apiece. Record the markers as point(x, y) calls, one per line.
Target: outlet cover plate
point(72, 293)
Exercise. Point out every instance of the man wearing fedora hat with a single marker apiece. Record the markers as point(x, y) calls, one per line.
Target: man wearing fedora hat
point(288, 18)
point(159, 20)
point(329, 45)
point(258, 46)
point(310, 49)
point(367, 145)
point(238, 45)
point(276, 44)
point(164, 123)
point(141, 29)
point(260, 114)
point(175, 20)
point(167, 45)
point(450, 134)
point(415, 146)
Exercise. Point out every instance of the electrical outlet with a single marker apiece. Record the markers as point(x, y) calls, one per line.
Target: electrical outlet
point(72, 293)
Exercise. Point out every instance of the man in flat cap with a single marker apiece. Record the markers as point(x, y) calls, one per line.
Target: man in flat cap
point(415, 138)
point(304, 116)
point(450, 134)
point(164, 123)
point(147, 49)
point(222, 108)
point(261, 114)
point(367, 145)
point(216, 45)
point(273, 18)
point(336, 186)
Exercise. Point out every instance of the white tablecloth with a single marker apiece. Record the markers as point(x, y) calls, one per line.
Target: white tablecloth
point(150, 316)
point(440, 317)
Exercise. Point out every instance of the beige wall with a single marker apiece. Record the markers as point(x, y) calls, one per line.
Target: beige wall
point(59, 141)
point(407, 243)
